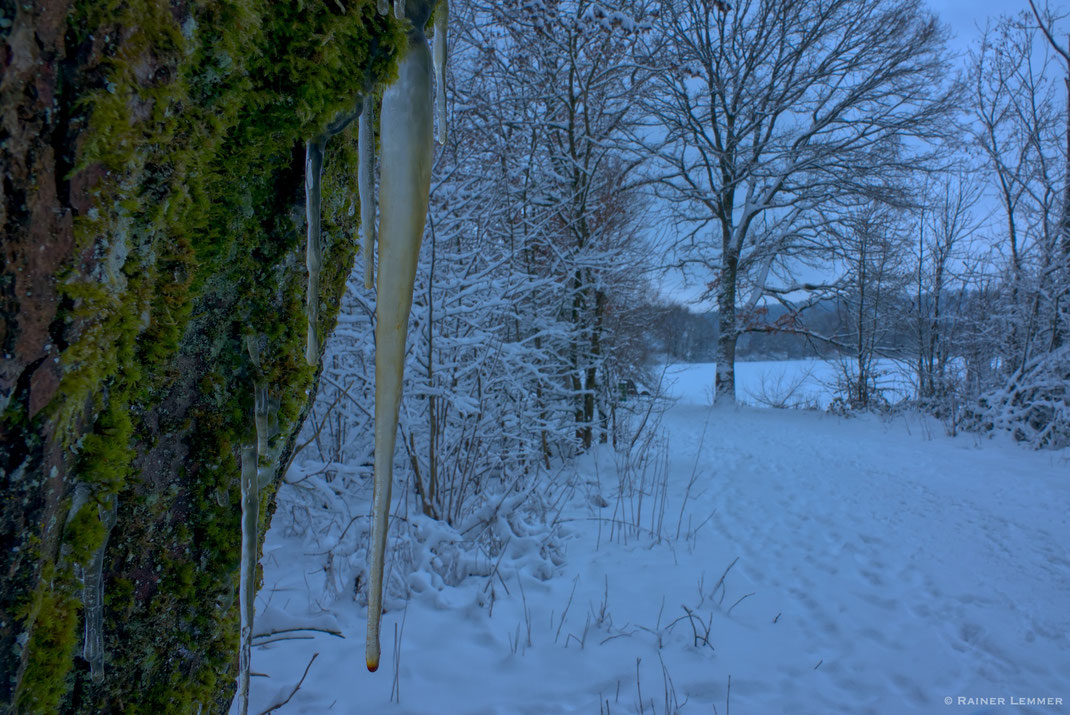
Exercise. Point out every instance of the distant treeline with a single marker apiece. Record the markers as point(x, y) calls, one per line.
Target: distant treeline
point(773, 333)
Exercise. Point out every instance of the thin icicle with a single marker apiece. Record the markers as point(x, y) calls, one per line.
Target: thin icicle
point(442, 23)
point(250, 507)
point(406, 141)
point(366, 185)
point(93, 597)
point(384, 7)
point(399, 9)
point(314, 245)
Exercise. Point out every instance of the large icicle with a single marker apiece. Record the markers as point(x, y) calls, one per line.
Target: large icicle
point(314, 246)
point(407, 144)
point(442, 23)
point(93, 597)
point(250, 508)
point(366, 185)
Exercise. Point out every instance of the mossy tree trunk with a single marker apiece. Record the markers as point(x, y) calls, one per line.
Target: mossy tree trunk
point(151, 203)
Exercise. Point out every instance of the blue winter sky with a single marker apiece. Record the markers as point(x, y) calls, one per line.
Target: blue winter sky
point(966, 16)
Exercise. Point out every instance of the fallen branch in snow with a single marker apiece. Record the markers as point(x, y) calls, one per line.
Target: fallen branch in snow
point(328, 631)
point(297, 687)
point(284, 638)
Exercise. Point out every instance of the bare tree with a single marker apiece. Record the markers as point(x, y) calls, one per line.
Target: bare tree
point(1017, 127)
point(945, 228)
point(872, 243)
point(562, 79)
point(771, 109)
point(1046, 21)
point(1022, 122)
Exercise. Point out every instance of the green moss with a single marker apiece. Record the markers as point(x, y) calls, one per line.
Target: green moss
point(52, 643)
point(195, 129)
point(84, 533)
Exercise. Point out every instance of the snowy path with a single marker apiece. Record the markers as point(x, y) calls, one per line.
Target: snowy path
point(889, 568)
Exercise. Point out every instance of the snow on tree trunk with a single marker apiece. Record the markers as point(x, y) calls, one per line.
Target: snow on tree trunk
point(406, 143)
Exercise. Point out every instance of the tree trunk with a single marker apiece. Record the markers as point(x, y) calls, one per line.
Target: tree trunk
point(725, 380)
point(152, 217)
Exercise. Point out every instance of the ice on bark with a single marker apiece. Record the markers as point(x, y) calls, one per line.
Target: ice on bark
point(250, 508)
point(442, 21)
point(314, 244)
point(366, 185)
point(93, 596)
point(314, 149)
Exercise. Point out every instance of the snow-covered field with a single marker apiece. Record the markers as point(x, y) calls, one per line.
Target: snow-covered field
point(787, 383)
point(769, 561)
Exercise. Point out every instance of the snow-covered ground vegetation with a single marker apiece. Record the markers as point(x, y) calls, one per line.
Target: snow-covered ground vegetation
point(726, 560)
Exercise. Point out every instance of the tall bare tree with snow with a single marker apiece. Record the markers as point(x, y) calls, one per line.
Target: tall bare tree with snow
point(768, 115)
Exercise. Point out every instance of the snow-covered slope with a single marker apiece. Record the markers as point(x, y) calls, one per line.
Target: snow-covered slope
point(825, 565)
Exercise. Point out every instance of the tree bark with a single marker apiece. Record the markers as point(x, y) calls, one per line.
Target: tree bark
point(725, 379)
point(151, 211)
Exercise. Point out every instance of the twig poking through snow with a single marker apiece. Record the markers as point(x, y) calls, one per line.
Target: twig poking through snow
point(297, 687)
point(738, 602)
point(720, 581)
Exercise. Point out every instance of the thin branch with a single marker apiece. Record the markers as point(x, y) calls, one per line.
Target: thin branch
point(297, 687)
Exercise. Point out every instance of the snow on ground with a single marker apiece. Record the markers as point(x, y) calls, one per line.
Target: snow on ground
point(787, 383)
point(873, 566)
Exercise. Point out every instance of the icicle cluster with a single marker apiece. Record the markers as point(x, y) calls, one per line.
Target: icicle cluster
point(407, 142)
point(258, 463)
